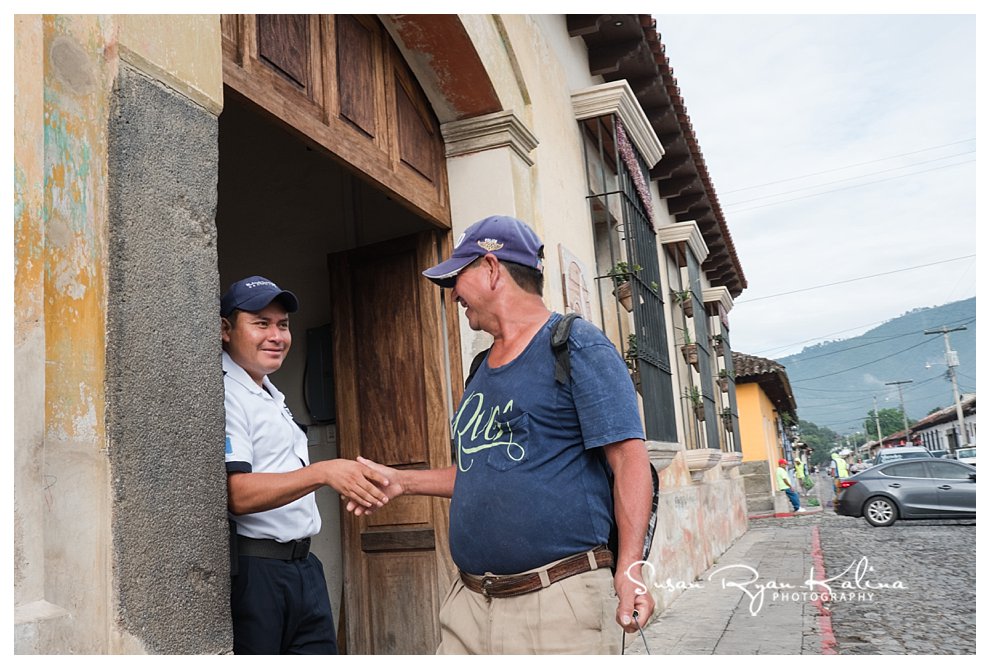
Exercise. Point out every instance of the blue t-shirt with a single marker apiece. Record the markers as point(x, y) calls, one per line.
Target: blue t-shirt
point(531, 487)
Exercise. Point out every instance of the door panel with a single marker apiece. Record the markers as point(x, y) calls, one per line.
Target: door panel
point(392, 408)
point(910, 484)
point(956, 491)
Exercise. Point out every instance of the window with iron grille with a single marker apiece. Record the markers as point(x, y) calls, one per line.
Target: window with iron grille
point(621, 208)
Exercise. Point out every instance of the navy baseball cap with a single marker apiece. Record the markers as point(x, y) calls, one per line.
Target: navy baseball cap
point(254, 294)
point(506, 238)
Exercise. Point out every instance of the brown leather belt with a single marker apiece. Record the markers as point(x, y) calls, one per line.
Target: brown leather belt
point(491, 585)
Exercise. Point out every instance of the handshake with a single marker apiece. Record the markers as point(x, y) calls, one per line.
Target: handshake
point(366, 485)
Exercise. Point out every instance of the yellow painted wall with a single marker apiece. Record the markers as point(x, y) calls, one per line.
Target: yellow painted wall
point(65, 67)
point(757, 418)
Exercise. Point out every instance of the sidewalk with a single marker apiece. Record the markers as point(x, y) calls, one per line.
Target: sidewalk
point(754, 601)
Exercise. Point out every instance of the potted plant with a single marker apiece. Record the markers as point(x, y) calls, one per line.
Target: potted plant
point(621, 273)
point(686, 300)
point(693, 396)
point(632, 358)
point(724, 376)
point(718, 344)
point(726, 415)
point(690, 350)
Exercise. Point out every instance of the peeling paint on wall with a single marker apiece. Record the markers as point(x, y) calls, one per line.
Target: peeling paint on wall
point(77, 81)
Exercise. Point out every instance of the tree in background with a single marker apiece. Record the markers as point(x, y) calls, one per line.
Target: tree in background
point(821, 440)
point(891, 421)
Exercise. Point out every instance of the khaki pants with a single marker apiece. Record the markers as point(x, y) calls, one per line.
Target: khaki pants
point(575, 616)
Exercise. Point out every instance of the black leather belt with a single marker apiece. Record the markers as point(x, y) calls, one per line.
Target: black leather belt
point(269, 548)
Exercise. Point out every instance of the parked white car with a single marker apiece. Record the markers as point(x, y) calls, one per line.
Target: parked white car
point(967, 455)
point(900, 453)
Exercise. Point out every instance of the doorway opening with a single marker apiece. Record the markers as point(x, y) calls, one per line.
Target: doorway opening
point(288, 211)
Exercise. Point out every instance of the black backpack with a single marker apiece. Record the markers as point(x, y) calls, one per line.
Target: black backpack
point(559, 337)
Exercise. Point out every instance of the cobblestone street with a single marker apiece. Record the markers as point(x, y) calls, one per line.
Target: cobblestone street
point(921, 574)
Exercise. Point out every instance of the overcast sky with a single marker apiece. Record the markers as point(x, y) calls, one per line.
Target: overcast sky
point(840, 147)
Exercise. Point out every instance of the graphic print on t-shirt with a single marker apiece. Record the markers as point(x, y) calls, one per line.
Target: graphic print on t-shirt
point(479, 426)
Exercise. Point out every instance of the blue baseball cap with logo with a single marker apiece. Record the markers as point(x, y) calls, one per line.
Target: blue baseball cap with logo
point(254, 294)
point(506, 238)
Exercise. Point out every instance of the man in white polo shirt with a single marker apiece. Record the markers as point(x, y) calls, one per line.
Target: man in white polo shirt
point(278, 595)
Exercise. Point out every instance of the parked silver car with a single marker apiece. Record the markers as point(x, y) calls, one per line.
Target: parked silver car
point(912, 489)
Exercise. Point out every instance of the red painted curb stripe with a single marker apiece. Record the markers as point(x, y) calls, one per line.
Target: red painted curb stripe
point(824, 615)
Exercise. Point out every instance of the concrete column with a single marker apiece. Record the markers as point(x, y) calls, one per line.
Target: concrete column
point(494, 150)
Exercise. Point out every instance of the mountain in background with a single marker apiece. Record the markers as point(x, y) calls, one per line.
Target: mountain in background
point(835, 382)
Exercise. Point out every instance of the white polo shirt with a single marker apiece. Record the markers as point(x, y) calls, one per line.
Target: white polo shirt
point(262, 437)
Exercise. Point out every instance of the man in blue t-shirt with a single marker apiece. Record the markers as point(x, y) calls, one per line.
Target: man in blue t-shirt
point(531, 506)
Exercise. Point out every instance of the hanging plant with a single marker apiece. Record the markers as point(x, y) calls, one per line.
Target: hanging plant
point(690, 351)
point(693, 395)
point(632, 360)
point(621, 273)
point(726, 415)
point(723, 379)
point(718, 344)
point(686, 300)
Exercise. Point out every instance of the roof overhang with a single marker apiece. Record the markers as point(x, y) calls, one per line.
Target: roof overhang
point(627, 47)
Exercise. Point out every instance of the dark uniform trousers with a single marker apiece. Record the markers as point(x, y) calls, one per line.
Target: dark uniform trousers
point(281, 607)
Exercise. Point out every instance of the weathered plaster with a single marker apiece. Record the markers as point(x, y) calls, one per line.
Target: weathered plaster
point(29, 335)
point(68, 581)
point(695, 524)
point(183, 51)
point(76, 83)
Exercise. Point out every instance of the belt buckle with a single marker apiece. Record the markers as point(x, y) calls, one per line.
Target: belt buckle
point(485, 583)
point(300, 549)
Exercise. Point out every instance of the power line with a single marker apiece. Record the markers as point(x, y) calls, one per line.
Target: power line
point(837, 181)
point(875, 340)
point(838, 169)
point(836, 190)
point(842, 371)
point(854, 400)
point(858, 327)
point(859, 278)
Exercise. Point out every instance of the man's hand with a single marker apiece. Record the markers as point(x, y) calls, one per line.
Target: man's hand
point(629, 601)
point(361, 485)
point(254, 492)
point(391, 488)
point(398, 482)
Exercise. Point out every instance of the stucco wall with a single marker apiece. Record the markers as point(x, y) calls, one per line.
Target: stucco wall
point(61, 509)
point(696, 523)
point(120, 539)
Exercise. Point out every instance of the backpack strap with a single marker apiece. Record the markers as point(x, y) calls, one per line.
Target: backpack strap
point(475, 364)
point(558, 343)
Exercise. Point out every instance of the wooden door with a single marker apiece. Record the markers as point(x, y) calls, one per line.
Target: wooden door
point(389, 353)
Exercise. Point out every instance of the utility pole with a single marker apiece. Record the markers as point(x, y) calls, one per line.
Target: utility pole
point(907, 430)
point(876, 417)
point(952, 361)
